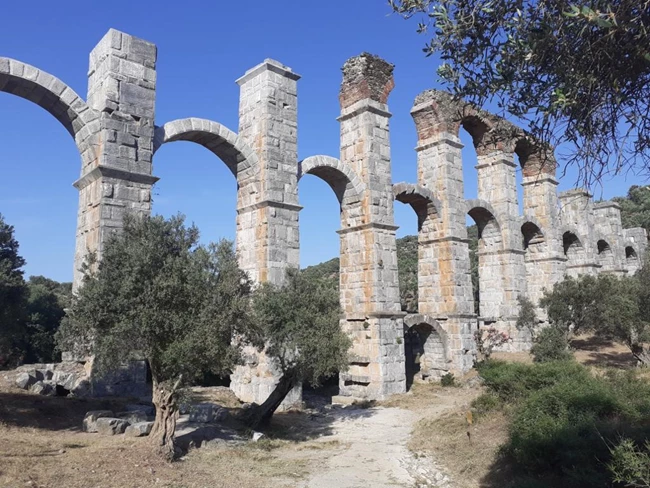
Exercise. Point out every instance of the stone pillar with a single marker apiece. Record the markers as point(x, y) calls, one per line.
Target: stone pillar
point(544, 258)
point(576, 212)
point(116, 163)
point(636, 247)
point(607, 219)
point(267, 202)
point(369, 280)
point(497, 185)
point(440, 169)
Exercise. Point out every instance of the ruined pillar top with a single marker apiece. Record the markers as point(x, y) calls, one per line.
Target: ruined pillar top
point(366, 77)
point(124, 46)
point(268, 65)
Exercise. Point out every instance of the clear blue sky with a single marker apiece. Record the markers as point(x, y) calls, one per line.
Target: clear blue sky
point(203, 47)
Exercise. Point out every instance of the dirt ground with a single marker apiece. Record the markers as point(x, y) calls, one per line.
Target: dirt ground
point(416, 439)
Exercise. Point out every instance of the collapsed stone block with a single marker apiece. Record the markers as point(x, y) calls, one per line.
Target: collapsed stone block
point(139, 429)
point(111, 426)
point(25, 380)
point(91, 418)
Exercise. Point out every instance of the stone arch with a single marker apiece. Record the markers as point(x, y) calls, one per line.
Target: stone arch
point(50, 93)
point(217, 138)
point(531, 232)
point(489, 297)
point(632, 263)
point(421, 200)
point(345, 183)
point(605, 254)
point(426, 348)
point(572, 243)
point(534, 159)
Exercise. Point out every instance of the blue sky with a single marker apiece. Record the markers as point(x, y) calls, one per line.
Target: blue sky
point(203, 47)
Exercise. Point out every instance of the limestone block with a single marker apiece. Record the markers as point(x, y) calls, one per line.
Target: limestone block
point(91, 417)
point(111, 426)
point(25, 380)
point(139, 429)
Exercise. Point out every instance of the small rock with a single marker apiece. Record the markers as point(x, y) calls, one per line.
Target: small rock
point(43, 388)
point(25, 380)
point(111, 426)
point(139, 429)
point(134, 416)
point(44, 374)
point(90, 419)
point(257, 436)
point(203, 412)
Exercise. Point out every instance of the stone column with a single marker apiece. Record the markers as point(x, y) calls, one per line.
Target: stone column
point(440, 169)
point(116, 163)
point(577, 213)
point(545, 260)
point(267, 202)
point(369, 281)
point(607, 219)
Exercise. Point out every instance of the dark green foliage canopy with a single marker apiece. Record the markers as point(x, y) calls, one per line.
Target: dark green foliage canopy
point(563, 421)
point(635, 208)
point(12, 295)
point(157, 294)
point(576, 73)
point(299, 322)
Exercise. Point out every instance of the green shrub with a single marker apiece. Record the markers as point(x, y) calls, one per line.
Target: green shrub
point(629, 465)
point(486, 403)
point(551, 344)
point(564, 419)
point(514, 381)
point(448, 380)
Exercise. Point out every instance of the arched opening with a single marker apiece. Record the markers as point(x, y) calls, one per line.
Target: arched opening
point(419, 273)
point(574, 252)
point(535, 247)
point(425, 350)
point(488, 294)
point(36, 192)
point(605, 255)
point(348, 189)
point(632, 263)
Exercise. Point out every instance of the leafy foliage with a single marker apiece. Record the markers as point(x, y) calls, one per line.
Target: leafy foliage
point(631, 465)
point(46, 303)
point(618, 308)
point(299, 323)
point(575, 73)
point(563, 419)
point(527, 318)
point(551, 344)
point(13, 294)
point(635, 208)
point(158, 295)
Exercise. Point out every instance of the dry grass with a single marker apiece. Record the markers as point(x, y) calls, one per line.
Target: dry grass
point(42, 446)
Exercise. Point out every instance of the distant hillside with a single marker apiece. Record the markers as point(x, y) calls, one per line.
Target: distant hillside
point(635, 207)
point(407, 261)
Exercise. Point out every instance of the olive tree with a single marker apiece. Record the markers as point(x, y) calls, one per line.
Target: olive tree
point(573, 72)
point(159, 295)
point(300, 324)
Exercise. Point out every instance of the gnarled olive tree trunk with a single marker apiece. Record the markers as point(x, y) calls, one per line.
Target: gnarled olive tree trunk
point(642, 353)
point(164, 427)
point(261, 415)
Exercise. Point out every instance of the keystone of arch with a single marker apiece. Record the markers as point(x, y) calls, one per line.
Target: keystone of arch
point(215, 137)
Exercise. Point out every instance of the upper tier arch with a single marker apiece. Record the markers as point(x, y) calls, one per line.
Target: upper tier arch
point(421, 200)
point(48, 92)
point(345, 183)
point(215, 137)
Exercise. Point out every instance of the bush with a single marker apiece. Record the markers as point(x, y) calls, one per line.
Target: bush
point(629, 465)
point(564, 419)
point(485, 403)
point(514, 381)
point(448, 380)
point(551, 344)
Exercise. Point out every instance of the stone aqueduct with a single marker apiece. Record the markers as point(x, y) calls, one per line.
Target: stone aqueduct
point(557, 235)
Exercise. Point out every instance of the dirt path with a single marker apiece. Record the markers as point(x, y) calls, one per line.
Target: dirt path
point(374, 452)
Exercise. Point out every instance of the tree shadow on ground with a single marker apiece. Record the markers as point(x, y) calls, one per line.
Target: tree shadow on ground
point(602, 352)
point(22, 409)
